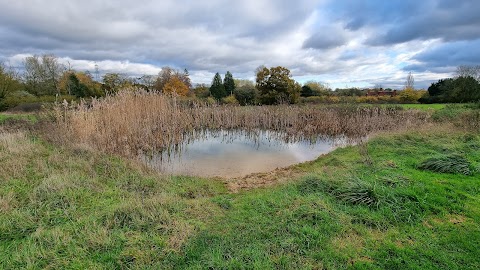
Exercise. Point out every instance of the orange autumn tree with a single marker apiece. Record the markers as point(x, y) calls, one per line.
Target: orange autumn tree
point(175, 86)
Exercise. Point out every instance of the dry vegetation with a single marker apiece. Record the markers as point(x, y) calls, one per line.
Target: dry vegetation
point(134, 122)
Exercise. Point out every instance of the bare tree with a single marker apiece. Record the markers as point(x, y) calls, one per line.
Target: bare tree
point(148, 81)
point(378, 86)
point(113, 82)
point(163, 77)
point(54, 71)
point(469, 71)
point(42, 74)
point(32, 74)
point(410, 82)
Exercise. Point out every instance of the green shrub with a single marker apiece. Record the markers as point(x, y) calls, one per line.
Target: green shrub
point(230, 100)
point(447, 164)
point(246, 95)
point(13, 101)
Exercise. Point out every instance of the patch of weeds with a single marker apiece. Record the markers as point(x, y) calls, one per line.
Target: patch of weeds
point(472, 142)
point(358, 192)
point(449, 113)
point(313, 184)
point(365, 154)
point(448, 164)
point(353, 192)
point(17, 225)
point(194, 188)
point(311, 213)
point(376, 204)
point(223, 202)
point(140, 215)
point(390, 164)
point(394, 181)
point(333, 161)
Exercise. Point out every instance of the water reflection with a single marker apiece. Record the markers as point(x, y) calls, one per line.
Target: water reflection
point(236, 154)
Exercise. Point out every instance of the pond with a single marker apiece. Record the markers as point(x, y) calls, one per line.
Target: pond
point(236, 154)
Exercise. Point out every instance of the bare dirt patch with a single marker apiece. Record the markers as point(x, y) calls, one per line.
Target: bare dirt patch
point(259, 180)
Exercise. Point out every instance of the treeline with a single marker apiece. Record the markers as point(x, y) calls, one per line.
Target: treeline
point(45, 79)
point(465, 87)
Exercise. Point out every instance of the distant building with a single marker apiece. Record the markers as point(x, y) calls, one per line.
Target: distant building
point(380, 93)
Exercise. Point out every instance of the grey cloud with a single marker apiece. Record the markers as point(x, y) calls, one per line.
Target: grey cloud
point(399, 21)
point(359, 14)
point(415, 68)
point(447, 22)
point(448, 55)
point(420, 68)
point(326, 38)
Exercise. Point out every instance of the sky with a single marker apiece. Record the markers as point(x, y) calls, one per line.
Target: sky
point(344, 43)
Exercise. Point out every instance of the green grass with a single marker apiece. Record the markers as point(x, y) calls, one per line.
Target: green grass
point(7, 116)
point(423, 106)
point(448, 164)
point(75, 209)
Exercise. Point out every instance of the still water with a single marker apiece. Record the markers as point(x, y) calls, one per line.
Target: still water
point(236, 154)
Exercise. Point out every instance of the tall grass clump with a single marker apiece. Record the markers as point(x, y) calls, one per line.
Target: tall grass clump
point(358, 192)
point(447, 164)
point(135, 121)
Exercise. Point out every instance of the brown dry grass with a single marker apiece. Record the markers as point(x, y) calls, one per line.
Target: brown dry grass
point(134, 122)
point(14, 144)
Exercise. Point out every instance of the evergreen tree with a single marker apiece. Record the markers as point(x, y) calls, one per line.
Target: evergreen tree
point(76, 88)
point(218, 89)
point(229, 83)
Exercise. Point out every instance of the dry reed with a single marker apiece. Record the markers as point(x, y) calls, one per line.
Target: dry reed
point(134, 122)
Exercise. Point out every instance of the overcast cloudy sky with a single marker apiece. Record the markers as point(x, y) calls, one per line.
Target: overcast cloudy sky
point(341, 42)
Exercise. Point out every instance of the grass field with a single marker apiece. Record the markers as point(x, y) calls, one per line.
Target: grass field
point(423, 106)
point(5, 116)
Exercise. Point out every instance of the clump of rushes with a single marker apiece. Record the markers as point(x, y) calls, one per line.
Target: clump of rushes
point(355, 191)
point(447, 164)
point(314, 184)
point(358, 192)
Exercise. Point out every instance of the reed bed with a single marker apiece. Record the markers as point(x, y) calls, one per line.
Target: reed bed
point(137, 122)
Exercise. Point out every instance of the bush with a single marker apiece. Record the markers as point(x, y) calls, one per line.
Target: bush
point(27, 107)
point(246, 95)
point(447, 164)
point(210, 101)
point(230, 100)
point(14, 101)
